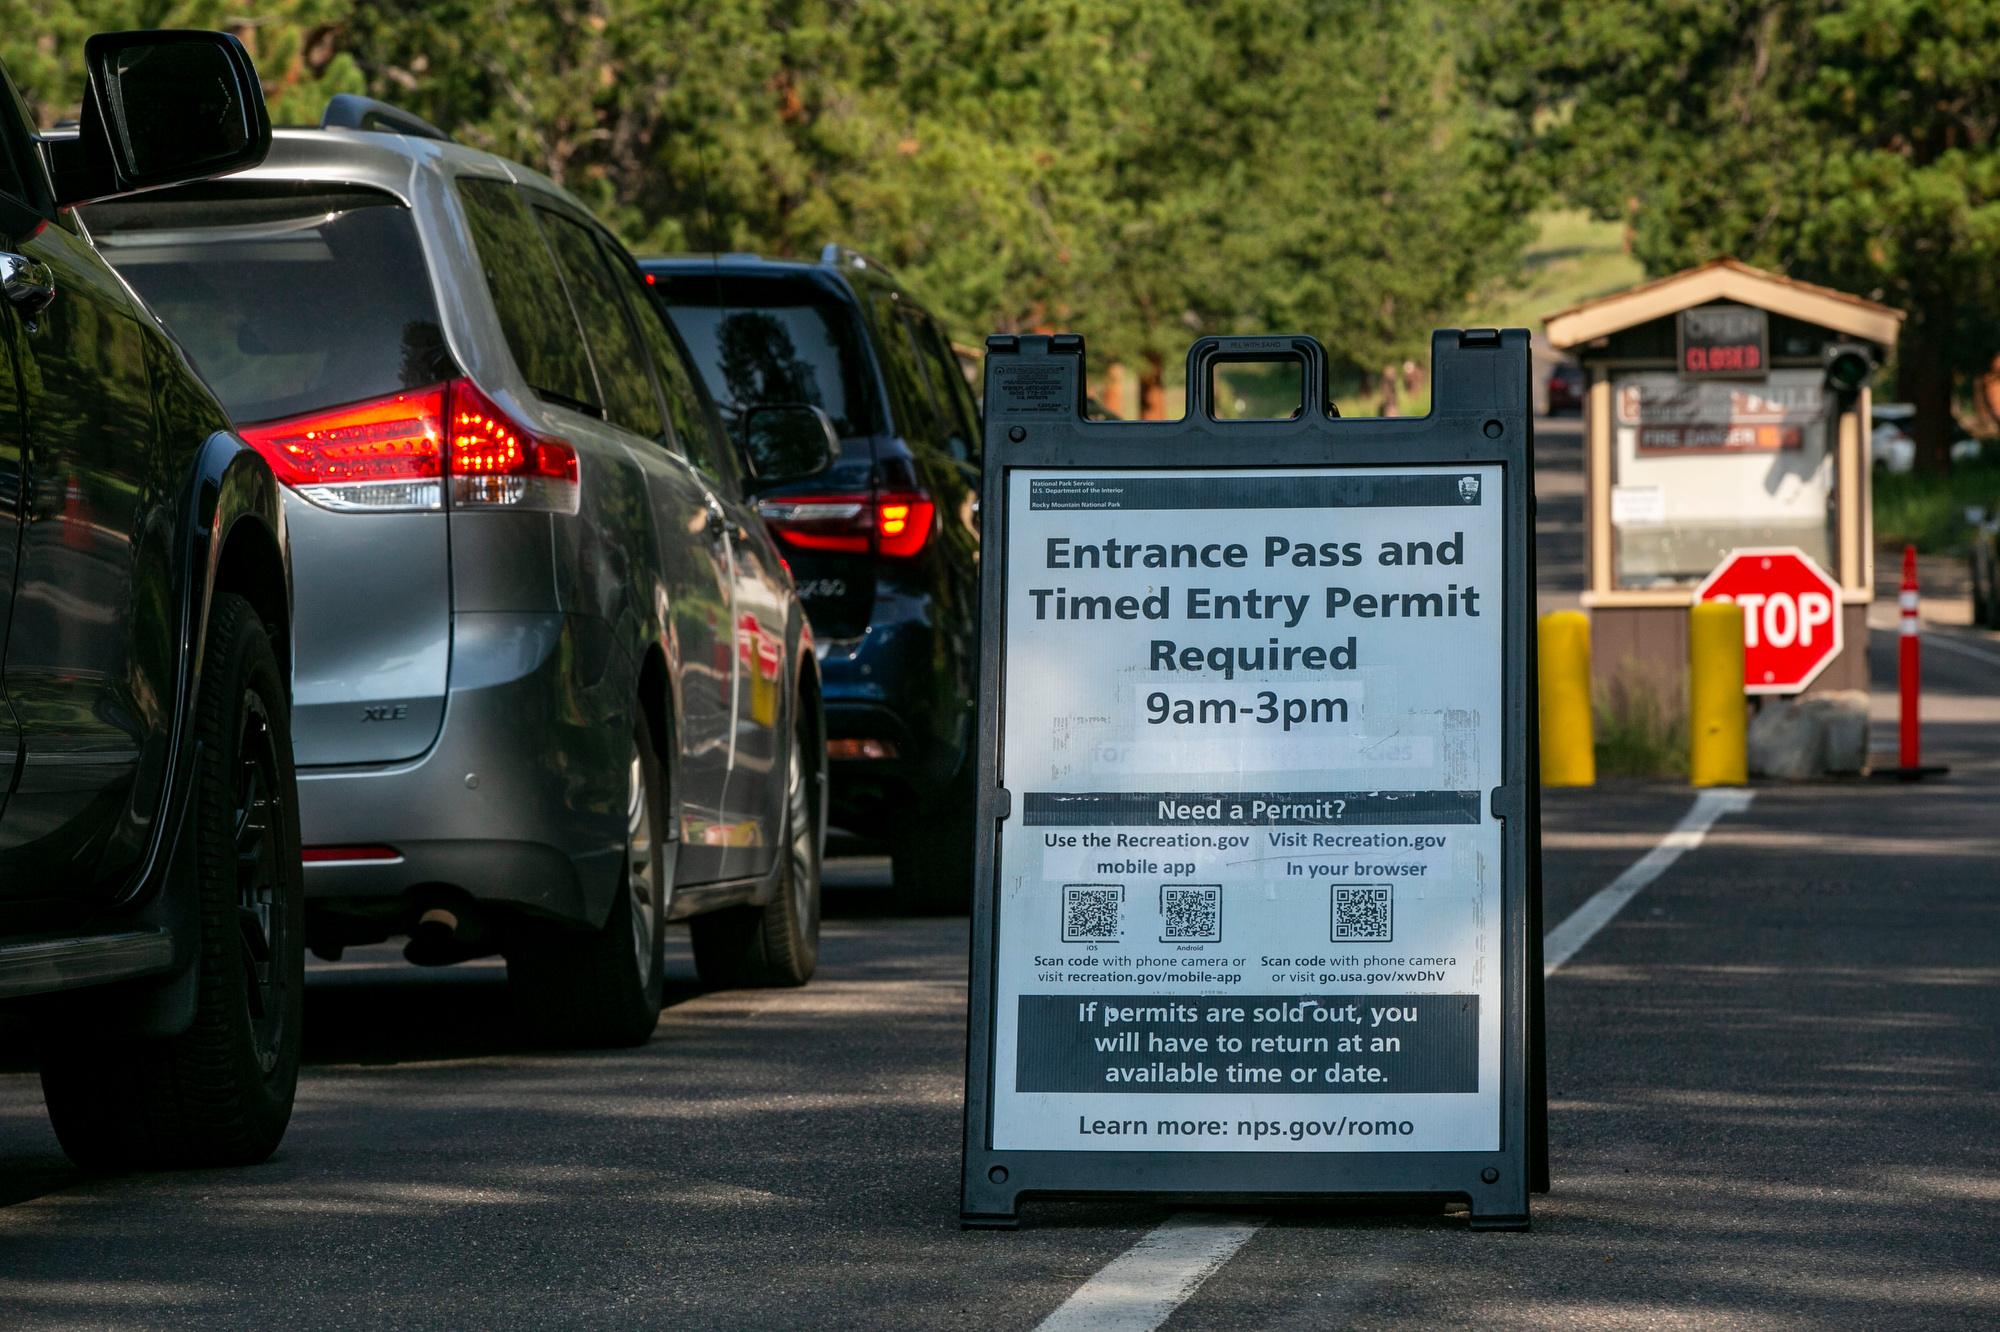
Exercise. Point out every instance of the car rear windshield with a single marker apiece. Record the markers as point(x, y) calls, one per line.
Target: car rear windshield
point(289, 299)
point(763, 341)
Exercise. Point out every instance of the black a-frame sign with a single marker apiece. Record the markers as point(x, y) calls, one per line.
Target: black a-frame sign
point(1258, 907)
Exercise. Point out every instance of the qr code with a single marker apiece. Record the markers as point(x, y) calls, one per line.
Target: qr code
point(1090, 912)
point(1190, 913)
point(1361, 914)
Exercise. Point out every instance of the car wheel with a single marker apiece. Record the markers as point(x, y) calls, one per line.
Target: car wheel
point(777, 943)
point(604, 987)
point(931, 855)
point(220, 1093)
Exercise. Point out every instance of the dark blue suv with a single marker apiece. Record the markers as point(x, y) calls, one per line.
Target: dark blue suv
point(884, 547)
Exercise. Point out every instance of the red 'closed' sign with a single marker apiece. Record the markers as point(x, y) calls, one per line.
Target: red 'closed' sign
point(1791, 615)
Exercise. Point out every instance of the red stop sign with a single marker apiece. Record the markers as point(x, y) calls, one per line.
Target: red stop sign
point(1791, 615)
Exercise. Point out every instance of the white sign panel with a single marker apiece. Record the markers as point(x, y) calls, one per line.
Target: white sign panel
point(1721, 452)
point(1638, 506)
point(1249, 893)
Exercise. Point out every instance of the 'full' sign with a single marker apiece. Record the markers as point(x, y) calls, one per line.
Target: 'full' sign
point(1791, 615)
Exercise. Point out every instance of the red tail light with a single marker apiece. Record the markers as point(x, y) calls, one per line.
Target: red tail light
point(894, 522)
point(394, 454)
point(384, 454)
point(903, 522)
point(337, 855)
point(496, 463)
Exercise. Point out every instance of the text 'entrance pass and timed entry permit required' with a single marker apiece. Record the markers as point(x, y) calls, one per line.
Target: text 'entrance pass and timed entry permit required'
point(1256, 910)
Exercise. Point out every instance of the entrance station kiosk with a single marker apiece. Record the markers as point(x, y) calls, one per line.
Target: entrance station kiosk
point(1727, 408)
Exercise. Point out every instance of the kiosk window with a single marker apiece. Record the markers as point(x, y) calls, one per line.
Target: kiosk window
point(1702, 467)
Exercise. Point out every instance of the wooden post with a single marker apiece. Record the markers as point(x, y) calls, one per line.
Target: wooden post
point(1153, 389)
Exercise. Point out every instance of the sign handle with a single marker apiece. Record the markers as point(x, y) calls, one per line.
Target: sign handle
point(1209, 352)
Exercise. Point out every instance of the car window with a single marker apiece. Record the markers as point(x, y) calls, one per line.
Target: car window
point(528, 294)
point(21, 175)
point(694, 425)
point(763, 341)
point(916, 415)
point(246, 275)
point(957, 424)
point(607, 326)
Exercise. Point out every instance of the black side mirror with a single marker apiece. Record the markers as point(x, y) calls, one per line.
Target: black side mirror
point(161, 108)
point(788, 443)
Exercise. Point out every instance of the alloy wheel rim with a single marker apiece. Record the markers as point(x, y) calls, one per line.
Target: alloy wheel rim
point(802, 847)
point(260, 909)
point(641, 864)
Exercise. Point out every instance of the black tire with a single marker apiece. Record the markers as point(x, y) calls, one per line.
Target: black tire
point(220, 1093)
point(931, 854)
point(603, 987)
point(776, 944)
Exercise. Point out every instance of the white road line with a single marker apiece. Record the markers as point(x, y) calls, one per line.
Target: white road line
point(1952, 645)
point(1140, 1289)
point(1560, 944)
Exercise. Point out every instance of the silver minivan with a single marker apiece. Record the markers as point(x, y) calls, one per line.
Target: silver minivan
point(553, 685)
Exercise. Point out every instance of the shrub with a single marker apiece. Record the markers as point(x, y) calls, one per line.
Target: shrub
point(1641, 725)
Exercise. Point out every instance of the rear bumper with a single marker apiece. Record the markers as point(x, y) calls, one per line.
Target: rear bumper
point(900, 684)
point(866, 795)
point(520, 802)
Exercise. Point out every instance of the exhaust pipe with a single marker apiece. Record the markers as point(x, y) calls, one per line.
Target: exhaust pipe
point(444, 935)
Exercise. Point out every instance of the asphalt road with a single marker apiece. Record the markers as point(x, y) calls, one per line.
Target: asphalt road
point(1773, 1105)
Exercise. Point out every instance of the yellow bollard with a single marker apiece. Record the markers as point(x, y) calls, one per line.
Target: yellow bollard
point(1569, 756)
point(1717, 715)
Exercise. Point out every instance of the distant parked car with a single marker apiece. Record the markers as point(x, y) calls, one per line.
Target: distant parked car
point(555, 688)
point(150, 892)
point(1893, 448)
point(1565, 388)
point(884, 546)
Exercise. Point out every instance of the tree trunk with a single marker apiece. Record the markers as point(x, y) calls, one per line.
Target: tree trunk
point(1153, 388)
point(1114, 388)
point(1925, 376)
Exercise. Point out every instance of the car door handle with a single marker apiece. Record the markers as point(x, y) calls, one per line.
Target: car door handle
point(28, 284)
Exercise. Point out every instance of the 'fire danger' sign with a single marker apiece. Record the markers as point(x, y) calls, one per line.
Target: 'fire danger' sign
point(1791, 615)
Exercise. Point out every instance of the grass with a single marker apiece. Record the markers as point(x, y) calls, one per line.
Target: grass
point(1929, 511)
point(1573, 258)
point(1640, 733)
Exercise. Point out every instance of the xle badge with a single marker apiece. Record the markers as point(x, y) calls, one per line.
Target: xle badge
point(386, 712)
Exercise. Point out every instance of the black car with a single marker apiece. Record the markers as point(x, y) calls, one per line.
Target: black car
point(151, 896)
point(1565, 388)
point(884, 547)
